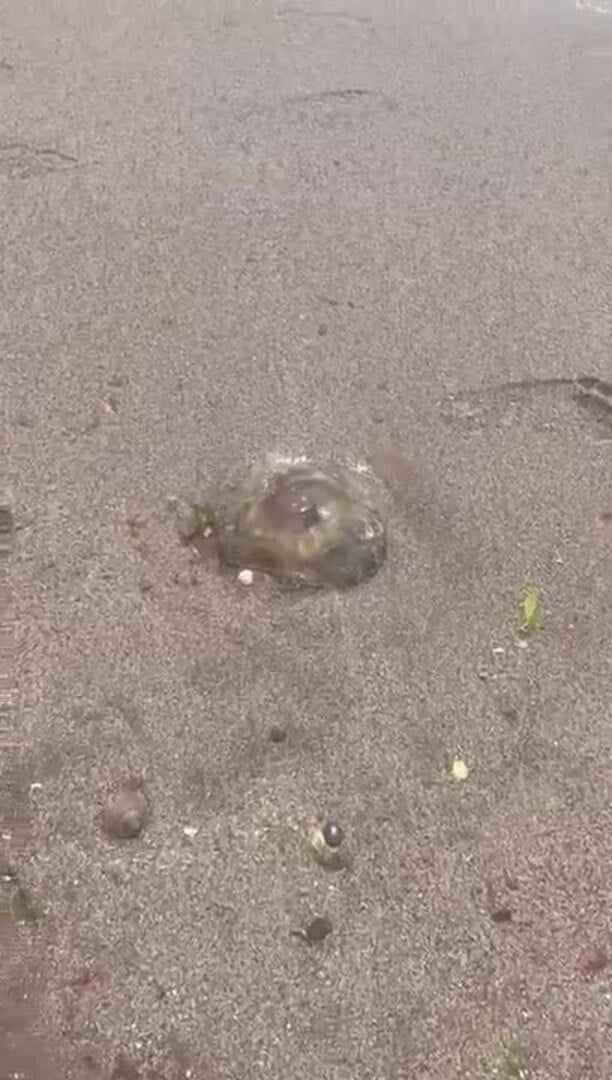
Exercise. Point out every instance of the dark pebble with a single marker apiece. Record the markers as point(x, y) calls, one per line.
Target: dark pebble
point(501, 915)
point(125, 814)
point(6, 520)
point(125, 1069)
point(318, 928)
point(277, 734)
point(24, 907)
point(136, 524)
point(592, 961)
point(333, 834)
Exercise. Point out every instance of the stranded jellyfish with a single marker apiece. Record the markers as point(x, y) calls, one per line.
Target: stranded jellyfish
point(305, 526)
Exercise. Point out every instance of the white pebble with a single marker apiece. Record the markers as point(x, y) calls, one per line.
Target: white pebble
point(190, 831)
point(245, 577)
point(459, 769)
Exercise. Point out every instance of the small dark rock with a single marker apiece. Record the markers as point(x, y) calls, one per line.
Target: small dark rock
point(136, 524)
point(499, 910)
point(511, 882)
point(126, 813)
point(125, 1069)
point(591, 962)
point(322, 330)
point(277, 734)
point(318, 928)
point(25, 419)
point(501, 915)
point(25, 908)
point(333, 834)
point(91, 1062)
point(7, 523)
point(509, 712)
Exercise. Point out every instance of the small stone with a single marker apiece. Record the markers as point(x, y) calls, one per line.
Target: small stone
point(125, 1069)
point(333, 834)
point(26, 419)
point(277, 734)
point(318, 928)
point(245, 577)
point(501, 915)
point(136, 524)
point(24, 907)
point(190, 831)
point(126, 813)
point(592, 962)
point(459, 769)
point(7, 522)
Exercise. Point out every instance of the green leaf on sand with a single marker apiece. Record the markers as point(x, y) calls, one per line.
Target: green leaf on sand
point(529, 610)
point(512, 1059)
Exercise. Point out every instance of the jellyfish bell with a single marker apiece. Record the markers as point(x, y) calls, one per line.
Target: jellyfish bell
point(305, 525)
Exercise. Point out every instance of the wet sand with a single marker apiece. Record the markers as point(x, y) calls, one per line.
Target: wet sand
point(333, 230)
